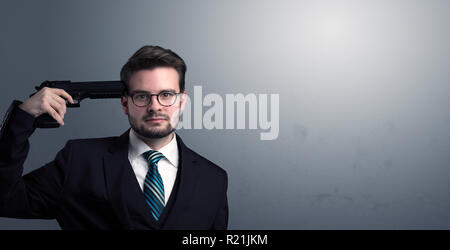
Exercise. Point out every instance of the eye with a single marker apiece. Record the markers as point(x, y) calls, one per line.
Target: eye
point(166, 94)
point(140, 96)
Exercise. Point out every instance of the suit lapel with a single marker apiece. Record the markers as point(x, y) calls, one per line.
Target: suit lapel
point(185, 189)
point(124, 192)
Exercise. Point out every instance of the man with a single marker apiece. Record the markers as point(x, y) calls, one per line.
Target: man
point(147, 178)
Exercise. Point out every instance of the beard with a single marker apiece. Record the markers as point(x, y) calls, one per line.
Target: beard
point(151, 132)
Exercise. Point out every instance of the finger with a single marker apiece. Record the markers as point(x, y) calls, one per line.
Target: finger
point(64, 94)
point(61, 102)
point(53, 113)
point(58, 107)
point(54, 107)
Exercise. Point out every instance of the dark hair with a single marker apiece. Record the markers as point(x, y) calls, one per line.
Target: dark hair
point(150, 57)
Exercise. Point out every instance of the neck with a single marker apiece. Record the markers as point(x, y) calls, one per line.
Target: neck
point(156, 143)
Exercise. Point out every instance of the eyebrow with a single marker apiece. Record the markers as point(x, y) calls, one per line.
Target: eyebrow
point(143, 91)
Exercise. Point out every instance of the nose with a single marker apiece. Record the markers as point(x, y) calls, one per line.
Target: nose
point(154, 104)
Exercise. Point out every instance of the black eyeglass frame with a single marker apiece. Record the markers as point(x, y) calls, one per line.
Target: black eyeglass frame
point(151, 95)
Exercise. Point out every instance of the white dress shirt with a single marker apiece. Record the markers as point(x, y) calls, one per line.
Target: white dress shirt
point(167, 166)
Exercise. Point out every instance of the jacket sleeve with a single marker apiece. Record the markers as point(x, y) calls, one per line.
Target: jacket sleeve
point(37, 194)
point(221, 220)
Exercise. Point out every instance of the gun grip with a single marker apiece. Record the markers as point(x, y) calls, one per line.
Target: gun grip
point(45, 121)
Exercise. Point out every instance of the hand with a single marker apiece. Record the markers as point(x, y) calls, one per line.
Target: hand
point(48, 100)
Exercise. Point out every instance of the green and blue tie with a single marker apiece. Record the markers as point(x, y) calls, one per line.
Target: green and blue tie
point(153, 184)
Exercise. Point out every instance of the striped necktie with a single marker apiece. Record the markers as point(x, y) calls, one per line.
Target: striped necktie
point(153, 185)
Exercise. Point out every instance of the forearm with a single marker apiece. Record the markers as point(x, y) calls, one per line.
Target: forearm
point(16, 128)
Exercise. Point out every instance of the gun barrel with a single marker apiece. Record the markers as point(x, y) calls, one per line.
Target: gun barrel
point(93, 89)
point(99, 89)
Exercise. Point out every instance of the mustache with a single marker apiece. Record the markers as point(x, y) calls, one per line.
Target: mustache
point(154, 116)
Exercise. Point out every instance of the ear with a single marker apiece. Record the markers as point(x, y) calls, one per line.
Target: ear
point(124, 102)
point(183, 101)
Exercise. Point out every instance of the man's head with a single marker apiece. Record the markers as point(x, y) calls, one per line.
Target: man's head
point(150, 72)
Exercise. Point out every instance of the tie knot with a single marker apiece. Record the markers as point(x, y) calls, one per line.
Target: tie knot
point(153, 157)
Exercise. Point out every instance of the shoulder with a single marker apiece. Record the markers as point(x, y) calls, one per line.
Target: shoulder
point(91, 144)
point(206, 165)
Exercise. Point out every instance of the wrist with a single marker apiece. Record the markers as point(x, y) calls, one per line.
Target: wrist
point(25, 108)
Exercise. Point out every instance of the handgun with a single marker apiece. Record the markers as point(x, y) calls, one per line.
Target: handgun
point(79, 91)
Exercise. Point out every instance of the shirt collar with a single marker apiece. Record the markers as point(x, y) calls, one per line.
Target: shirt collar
point(137, 147)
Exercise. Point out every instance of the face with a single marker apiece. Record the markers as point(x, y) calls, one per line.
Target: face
point(154, 121)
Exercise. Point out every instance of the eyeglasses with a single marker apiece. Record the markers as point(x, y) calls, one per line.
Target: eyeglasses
point(143, 99)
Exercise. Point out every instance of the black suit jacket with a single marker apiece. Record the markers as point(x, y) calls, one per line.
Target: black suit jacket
point(91, 185)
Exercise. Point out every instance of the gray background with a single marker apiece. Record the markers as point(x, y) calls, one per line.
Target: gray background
point(364, 137)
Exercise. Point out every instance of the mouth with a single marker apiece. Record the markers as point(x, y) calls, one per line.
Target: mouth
point(155, 120)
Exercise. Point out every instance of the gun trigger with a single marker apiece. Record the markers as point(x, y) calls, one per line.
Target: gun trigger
point(76, 104)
